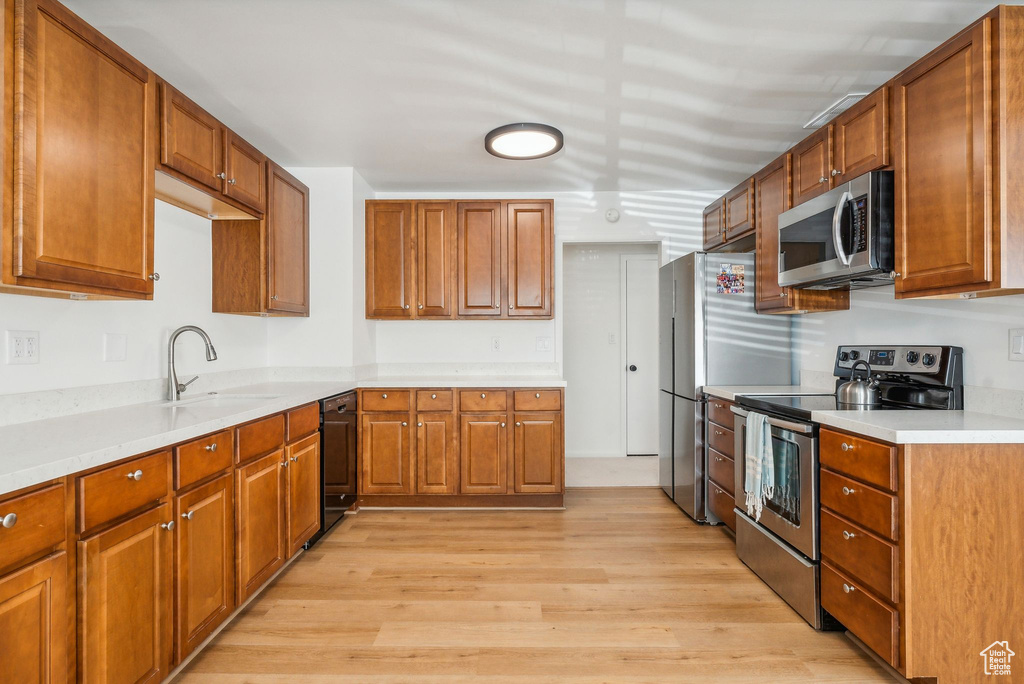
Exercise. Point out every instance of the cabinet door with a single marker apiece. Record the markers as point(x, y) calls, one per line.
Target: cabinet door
point(531, 240)
point(34, 621)
point(287, 243)
point(303, 491)
point(943, 137)
point(483, 454)
point(771, 192)
point(435, 252)
point(480, 258)
point(245, 171)
point(812, 165)
point(83, 157)
point(191, 141)
point(340, 455)
point(386, 454)
point(739, 210)
point(861, 137)
point(124, 600)
point(205, 558)
point(537, 444)
point(436, 453)
point(714, 224)
point(389, 240)
point(259, 504)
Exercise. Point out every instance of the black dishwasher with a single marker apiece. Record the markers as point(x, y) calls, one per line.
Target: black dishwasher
point(338, 425)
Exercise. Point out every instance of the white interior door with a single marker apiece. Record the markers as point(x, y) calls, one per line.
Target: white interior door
point(640, 351)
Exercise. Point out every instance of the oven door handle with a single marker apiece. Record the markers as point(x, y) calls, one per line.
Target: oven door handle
point(837, 220)
point(802, 428)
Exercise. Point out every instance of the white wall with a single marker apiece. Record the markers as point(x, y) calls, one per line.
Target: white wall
point(71, 332)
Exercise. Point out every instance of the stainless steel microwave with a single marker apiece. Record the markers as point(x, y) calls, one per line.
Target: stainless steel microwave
point(841, 239)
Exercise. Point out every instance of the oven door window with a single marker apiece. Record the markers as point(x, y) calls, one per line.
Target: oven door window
point(807, 242)
point(785, 501)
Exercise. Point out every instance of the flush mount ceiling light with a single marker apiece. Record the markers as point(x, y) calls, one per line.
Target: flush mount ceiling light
point(523, 141)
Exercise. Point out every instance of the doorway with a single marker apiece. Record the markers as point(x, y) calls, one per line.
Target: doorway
point(638, 274)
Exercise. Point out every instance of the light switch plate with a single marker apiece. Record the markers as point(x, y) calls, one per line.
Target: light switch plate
point(22, 347)
point(115, 347)
point(496, 344)
point(1016, 344)
point(543, 344)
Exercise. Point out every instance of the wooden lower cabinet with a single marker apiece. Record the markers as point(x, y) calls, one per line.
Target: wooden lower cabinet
point(386, 454)
point(34, 622)
point(436, 454)
point(260, 514)
point(125, 600)
point(537, 445)
point(303, 468)
point(205, 562)
point(483, 451)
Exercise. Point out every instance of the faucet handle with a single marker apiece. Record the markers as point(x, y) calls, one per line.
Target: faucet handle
point(183, 385)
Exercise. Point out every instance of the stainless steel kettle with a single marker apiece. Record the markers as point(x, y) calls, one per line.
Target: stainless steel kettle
point(859, 392)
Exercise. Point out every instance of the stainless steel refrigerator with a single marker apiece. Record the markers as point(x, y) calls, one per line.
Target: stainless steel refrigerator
point(709, 334)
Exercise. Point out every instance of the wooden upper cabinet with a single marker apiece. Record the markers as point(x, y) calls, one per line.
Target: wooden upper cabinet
point(191, 140)
point(739, 210)
point(537, 445)
point(435, 255)
point(480, 258)
point(83, 159)
point(812, 165)
point(942, 123)
point(386, 454)
point(287, 225)
point(303, 508)
point(483, 454)
point(260, 511)
point(389, 259)
point(245, 171)
point(124, 600)
point(530, 262)
point(436, 453)
point(714, 224)
point(861, 138)
point(34, 622)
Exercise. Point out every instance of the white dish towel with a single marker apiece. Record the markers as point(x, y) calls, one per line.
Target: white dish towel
point(759, 464)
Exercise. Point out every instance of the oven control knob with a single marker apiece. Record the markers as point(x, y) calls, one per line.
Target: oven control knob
point(844, 356)
point(913, 357)
point(929, 359)
point(854, 354)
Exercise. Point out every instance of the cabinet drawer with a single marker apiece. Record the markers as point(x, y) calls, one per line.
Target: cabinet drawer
point(721, 440)
point(719, 411)
point(865, 505)
point(482, 400)
point(721, 503)
point(200, 458)
point(260, 437)
point(37, 525)
point(111, 493)
point(860, 458)
point(871, 560)
point(303, 421)
point(538, 400)
point(385, 400)
point(435, 400)
point(721, 469)
point(874, 623)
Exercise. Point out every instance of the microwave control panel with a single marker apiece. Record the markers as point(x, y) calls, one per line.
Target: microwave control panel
point(859, 220)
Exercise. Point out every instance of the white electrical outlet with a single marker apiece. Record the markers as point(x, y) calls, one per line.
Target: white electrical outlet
point(115, 347)
point(22, 346)
point(496, 344)
point(1017, 344)
point(543, 344)
point(611, 338)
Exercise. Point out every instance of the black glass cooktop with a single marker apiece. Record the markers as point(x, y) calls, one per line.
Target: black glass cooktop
point(800, 406)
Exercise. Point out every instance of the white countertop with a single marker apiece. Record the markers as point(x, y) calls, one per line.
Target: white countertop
point(730, 392)
point(42, 450)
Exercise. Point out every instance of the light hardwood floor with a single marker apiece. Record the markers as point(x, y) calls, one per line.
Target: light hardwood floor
point(619, 587)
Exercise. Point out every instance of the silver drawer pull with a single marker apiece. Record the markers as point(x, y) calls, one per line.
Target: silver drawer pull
point(518, 424)
point(719, 433)
point(847, 491)
point(719, 459)
point(384, 396)
point(822, 179)
point(433, 396)
point(848, 535)
point(846, 447)
point(211, 447)
point(537, 395)
point(137, 475)
point(284, 463)
point(419, 424)
point(404, 424)
point(9, 520)
point(847, 588)
point(717, 405)
point(483, 396)
point(188, 516)
point(295, 459)
point(502, 425)
point(168, 525)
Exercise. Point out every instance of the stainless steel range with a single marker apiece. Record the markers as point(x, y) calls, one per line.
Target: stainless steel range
point(782, 547)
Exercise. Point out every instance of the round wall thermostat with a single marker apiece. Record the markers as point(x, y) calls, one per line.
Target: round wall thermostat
point(611, 216)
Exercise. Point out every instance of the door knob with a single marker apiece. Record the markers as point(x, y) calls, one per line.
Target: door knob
point(632, 367)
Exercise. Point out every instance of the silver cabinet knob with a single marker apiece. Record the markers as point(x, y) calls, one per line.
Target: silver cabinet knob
point(510, 307)
point(419, 424)
point(847, 491)
point(483, 396)
point(188, 516)
point(222, 175)
point(211, 447)
point(295, 459)
point(137, 475)
point(719, 433)
point(9, 520)
point(231, 181)
point(433, 396)
point(847, 588)
point(273, 297)
point(154, 277)
point(845, 447)
point(518, 424)
point(405, 424)
point(822, 179)
point(835, 172)
point(284, 464)
point(848, 535)
point(718, 459)
point(894, 274)
point(497, 306)
point(406, 306)
point(782, 294)
point(420, 306)
point(537, 395)
point(502, 425)
point(168, 525)
point(384, 396)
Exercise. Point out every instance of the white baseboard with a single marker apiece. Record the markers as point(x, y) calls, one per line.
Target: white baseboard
point(615, 471)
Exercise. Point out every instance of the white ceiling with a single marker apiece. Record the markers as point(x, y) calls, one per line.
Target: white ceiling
point(650, 94)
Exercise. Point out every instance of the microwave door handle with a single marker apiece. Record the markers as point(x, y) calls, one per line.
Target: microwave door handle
point(837, 220)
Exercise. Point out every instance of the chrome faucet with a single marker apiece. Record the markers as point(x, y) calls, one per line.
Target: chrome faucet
point(174, 388)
